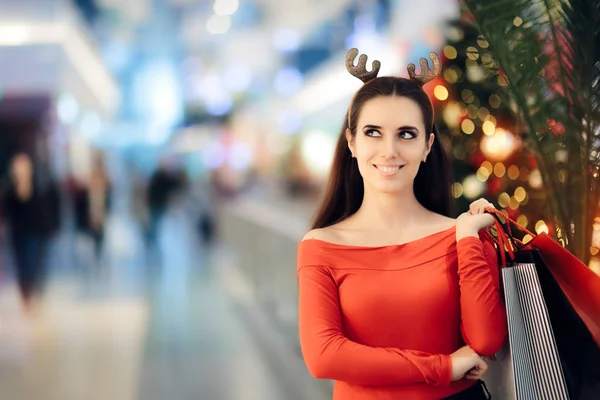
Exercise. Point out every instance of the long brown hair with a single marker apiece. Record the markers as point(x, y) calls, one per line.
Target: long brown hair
point(345, 188)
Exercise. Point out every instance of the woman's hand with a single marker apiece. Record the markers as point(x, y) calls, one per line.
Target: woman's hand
point(466, 362)
point(477, 373)
point(474, 220)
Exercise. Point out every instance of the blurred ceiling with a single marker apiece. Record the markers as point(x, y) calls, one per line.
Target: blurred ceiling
point(45, 49)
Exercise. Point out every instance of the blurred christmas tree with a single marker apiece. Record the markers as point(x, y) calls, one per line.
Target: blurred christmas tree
point(545, 54)
point(488, 160)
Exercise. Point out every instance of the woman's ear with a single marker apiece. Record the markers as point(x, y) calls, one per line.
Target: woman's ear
point(350, 140)
point(429, 145)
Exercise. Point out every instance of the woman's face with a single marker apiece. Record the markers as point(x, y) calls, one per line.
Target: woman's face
point(390, 143)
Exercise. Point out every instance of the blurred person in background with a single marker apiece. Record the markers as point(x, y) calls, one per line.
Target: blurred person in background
point(396, 299)
point(163, 185)
point(99, 205)
point(92, 205)
point(138, 206)
point(201, 210)
point(32, 213)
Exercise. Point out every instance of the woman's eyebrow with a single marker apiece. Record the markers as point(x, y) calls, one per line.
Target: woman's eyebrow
point(402, 128)
point(408, 128)
point(371, 127)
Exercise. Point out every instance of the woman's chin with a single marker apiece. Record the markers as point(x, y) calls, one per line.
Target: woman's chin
point(389, 187)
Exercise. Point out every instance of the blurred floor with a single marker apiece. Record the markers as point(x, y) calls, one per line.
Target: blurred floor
point(133, 329)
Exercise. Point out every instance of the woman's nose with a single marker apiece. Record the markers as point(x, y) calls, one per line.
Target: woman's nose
point(389, 148)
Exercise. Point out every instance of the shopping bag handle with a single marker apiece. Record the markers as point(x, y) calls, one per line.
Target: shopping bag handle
point(502, 240)
point(505, 240)
point(506, 226)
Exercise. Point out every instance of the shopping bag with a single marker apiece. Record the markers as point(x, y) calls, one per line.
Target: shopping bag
point(579, 283)
point(553, 354)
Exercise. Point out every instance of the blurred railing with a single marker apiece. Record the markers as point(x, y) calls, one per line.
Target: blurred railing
point(263, 237)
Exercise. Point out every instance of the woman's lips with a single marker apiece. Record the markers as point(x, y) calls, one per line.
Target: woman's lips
point(388, 170)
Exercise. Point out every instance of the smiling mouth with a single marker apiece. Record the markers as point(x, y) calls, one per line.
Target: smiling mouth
point(388, 170)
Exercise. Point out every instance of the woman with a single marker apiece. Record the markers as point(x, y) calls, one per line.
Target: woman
point(396, 299)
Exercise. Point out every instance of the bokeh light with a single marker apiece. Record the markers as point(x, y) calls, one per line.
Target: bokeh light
point(499, 146)
point(440, 92)
point(467, 126)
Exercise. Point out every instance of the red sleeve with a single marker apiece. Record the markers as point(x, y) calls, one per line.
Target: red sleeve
point(328, 354)
point(483, 316)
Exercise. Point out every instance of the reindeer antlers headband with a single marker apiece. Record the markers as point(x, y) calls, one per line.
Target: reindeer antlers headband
point(360, 71)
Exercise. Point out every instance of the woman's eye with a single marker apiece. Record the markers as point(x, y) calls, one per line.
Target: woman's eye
point(372, 133)
point(407, 135)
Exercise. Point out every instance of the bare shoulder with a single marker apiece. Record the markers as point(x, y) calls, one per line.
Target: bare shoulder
point(446, 220)
point(442, 222)
point(330, 233)
point(324, 234)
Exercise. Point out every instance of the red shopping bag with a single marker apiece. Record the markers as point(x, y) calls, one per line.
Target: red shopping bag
point(579, 283)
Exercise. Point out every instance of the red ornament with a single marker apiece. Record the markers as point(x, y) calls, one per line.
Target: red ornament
point(468, 16)
point(550, 228)
point(558, 129)
point(477, 159)
point(495, 185)
point(532, 162)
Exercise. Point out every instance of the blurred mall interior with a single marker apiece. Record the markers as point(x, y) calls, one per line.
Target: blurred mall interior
point(177, 149)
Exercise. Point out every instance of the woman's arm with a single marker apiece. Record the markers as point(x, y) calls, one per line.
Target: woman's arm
point(483, 314)
point(328, 354)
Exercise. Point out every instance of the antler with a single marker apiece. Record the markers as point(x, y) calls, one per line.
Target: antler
point(427, 74)
point(360, 71)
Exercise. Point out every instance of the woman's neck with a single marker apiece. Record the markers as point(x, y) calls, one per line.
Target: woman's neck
point(390, 210)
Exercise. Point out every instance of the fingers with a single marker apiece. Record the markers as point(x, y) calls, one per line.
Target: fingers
point(475, 207)
point(481, 365)
point(477, 372)
point(474, 375)
point(479, 206)
point(490, 220)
